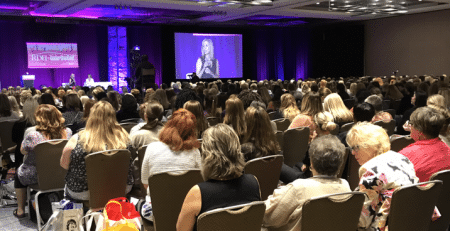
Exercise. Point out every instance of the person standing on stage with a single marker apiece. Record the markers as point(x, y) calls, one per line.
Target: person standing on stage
point(72, 82)
point(145, 74)
point(89, 81)
point(207, 66)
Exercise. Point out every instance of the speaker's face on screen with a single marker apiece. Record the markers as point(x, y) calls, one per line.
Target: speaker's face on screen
point(206, 48)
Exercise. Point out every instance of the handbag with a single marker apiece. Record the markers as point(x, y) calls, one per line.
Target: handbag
point(66, 216)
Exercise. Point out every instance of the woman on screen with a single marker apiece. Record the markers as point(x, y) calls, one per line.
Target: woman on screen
point(207, 66)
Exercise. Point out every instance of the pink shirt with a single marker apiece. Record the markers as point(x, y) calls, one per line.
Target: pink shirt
point(428, 156)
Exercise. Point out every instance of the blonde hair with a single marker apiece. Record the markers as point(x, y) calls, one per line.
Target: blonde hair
point(29, 107)
point(289, 106)
point(221, 153)
point(102, 131)
point(50, 122)
point(367, 135)
point(445, 92)
point(353, 88)
point(437, 100)
point(311, 104)
point(324, 121)
point(334, 104)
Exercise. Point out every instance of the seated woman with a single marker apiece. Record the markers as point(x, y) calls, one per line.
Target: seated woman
point(49, 126)
point(381, 171)
point(259, 140)
point(334, 104)
point(377, 103)
point(150, 131)
point(234, 116)
point(6, 112)
point(73, 109)
point(283, 208)
point(196, 108)
point(311, 105)
point(128, 109)
point(225, 184)
point(102, 133)
point(288, 107)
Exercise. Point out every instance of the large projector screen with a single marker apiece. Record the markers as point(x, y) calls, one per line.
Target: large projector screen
point(52, 55)
point(209, 55)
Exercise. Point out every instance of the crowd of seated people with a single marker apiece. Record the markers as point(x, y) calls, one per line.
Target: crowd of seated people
point(175, 124)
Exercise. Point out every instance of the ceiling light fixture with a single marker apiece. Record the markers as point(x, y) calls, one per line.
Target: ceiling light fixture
point(364, 7)
point(243, 2)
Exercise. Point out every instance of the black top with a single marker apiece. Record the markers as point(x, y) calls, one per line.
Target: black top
point(221, 194)
point(212, 68)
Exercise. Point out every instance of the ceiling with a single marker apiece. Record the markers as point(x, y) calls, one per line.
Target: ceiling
point(281, 13)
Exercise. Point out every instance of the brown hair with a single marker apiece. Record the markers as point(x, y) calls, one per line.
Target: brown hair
point(154, 112)
point(180, 132)
point(289, 106)
point(49, 122)
point(311, 104)
point(234, 116)
point(196, 108)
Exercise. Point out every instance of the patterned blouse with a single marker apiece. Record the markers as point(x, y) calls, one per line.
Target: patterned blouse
point(76, 178)
point(72, 116)
point(385, 116)
point(305, 121)
point(27, 171)
point(379, 177)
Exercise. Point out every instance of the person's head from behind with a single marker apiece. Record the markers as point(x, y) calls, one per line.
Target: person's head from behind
point(247, 97)
point(367, 141)
point(29, 108)
point(5, 106)
point(153, 114)
point(426, 123)
point(47, 98)
point(87, 108)
point(49, 121)
point(287, 100)
point(221, 154)
point(326, 154)
point(73, 103)
point(234, 109)
point(311, 104)
point(180, 132)
point(363, 112)
point(376, 102)
point(259, 131)
point(129, 103)
point(207, 47)
point(324, 123)
point(419, 98)
point(437, 101)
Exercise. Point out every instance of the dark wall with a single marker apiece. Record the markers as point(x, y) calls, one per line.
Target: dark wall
point(415, 44)
point(337, 50)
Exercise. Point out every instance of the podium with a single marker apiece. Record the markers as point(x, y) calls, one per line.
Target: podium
point(28, 80)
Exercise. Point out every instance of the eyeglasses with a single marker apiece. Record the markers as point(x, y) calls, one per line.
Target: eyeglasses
point(354, 148)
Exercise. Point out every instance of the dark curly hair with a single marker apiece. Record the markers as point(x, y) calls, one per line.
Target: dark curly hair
point(184, 96)
point(247, 97)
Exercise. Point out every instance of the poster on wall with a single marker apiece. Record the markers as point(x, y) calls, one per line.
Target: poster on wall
point(52, 55)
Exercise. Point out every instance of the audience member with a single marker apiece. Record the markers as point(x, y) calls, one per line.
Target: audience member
point(196, 108)
point(150, 131)
point(288, 108)
point(6, 112)
point(377, 104)
point(234, 116)
point(334, 104)
point(128, 109)
point(311, 105)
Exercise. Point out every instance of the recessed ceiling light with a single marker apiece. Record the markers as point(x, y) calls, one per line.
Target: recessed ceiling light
point(317, 3)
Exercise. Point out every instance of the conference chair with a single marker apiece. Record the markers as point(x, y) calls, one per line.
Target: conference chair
point(5, 135)
point(388, 126)
point(272, 115)
point(295, 145)
point(50, 174)
point(352, 171)
point(282, 124)
point(443, 203)
point(138, 190)
point(412, 206)
point(279, 136)
point(213, 120)
point(337, 212)
point(128, 126)
point(349, 103)
point(246, 217)
point(107, 173)
point(400, 142)
point(267, 170)
point(335, 131)
point(346, 127)
point(132, 120)
point(392, 112)
point(168, 190)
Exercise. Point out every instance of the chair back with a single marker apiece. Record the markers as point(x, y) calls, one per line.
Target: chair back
point(138, 190)
point(443, 203)
point(213, 120)
point(412, 206)
point(349, 103)
point(337, 212)
point(295, 145)
point(128, 126)
point(49, 171)
point(335, 131)
point(386, 104)
point(168, 192)
point(398, 143)
point(279, 135)
point(141, 154)
point(5, 135)
point(267, 170)
point(388, 126)
point(353, 171)
point(107, 174)
point(246, 217)
point(346, 127)
point(272, 115)
point(132, 120)
point(282, 124)
point(344, 162)
point(392, 112)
